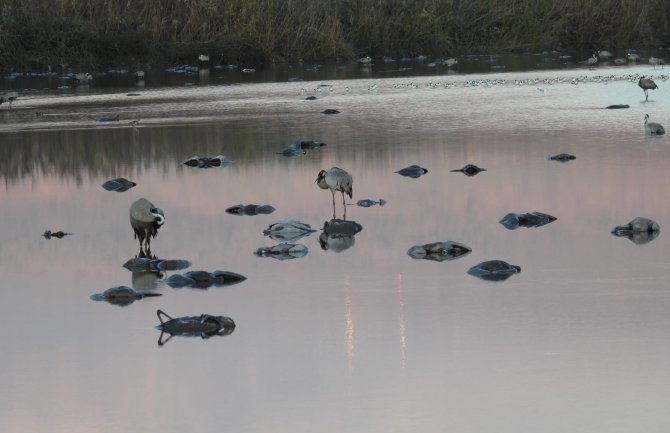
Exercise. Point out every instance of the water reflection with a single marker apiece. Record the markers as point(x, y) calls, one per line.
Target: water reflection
point(513, 221)
point(338, 235)
point(439, 251)
point(494, 270)
point(288, 230)
point(203, 326)
point(121, 296)
point(250, 209)
point(57, 234)
point(283, 251)
point(203, 280)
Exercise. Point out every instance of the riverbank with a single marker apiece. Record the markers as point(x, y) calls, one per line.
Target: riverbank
point(98, 33)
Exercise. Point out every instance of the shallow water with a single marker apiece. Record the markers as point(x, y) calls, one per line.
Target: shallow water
point(362, 340)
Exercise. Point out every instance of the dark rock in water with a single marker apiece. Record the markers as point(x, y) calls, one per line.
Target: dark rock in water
point(109, 119)
point(140, 264)
point(204, 280)
point(121, 295)
point(562, 157)
point(310, 98)
point(207, 162)
point(59, 234)
point(288, 230)
point(330, 111)
point(412, 171)
point(513, 221)
point(470, 170)
point(308, 144)
point(640, 231)
point(617, 106)
point(250, 209)
point(283, 251)
point(119, 184)
point(369, 203)
point(494, 270)
point(439, 251)
point(203, 326)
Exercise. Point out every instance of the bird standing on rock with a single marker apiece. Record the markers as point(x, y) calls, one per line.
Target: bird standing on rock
point(145, 219)
point(336, 179)
point(646, 84)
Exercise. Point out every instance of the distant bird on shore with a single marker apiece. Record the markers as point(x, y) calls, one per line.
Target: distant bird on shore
point(82, 78)
point(8, 97)
point(633, 57)
point(605, 55)
point(656, 61)
point(593, 60)
point(646, 84)
point(336, 179)
point(653, 128)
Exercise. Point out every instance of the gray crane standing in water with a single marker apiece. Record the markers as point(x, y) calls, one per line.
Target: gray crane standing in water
point(336, 179)
point(646, 84)
point(8, 97)
point(652, 128)
point(145, 219)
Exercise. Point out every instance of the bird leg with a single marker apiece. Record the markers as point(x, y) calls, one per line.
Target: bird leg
point(333, 192)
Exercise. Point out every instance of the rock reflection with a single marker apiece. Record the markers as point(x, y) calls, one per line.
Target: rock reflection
point(494, 270)
point(207, 162)
point(288, 230)
point(283, 251)
point(203, 326)
point(469, 170)
point(121, 296)
point(640, 230)
point(204, 280)
point(439, 251)
point(250, 209)
point(338, 234)
point(58, 234)
point(512, 221)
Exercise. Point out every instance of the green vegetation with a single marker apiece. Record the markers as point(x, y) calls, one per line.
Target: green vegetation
point(102, 33)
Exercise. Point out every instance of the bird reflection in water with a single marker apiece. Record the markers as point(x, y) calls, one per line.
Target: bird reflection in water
point(149, 271)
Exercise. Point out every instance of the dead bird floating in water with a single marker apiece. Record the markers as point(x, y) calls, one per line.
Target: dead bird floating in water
point(207, 162)
point(413, 171)
point(119, 184)
point(562, 157)
point(640, 230)
point(439, 251)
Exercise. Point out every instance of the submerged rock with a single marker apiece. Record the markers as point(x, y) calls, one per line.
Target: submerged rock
point(330, 111)
point(207, 162)
point(439, 251)
point(204, 280)
point(203, 326)
point(413, 171)
point(469, 170)
point(512, 221)
point(640, 230)
point(283, 251)
point(562, 157)
point(119, 184)
point(369, 203)
point(250, 209)
point(121, 296)
point(58, 234)
point(494, 270)
point(141, 264)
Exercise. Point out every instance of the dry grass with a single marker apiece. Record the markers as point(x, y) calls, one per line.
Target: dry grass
point(96, 33)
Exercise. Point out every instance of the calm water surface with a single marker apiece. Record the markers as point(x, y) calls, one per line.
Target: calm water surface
point(361, 340)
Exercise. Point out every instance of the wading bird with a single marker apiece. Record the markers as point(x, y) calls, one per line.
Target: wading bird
point(656, 61)
point(145, 219)
point(8, 97)
point(593, 60)
point(646, 84)
point(652, 128)
point(336, 179)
